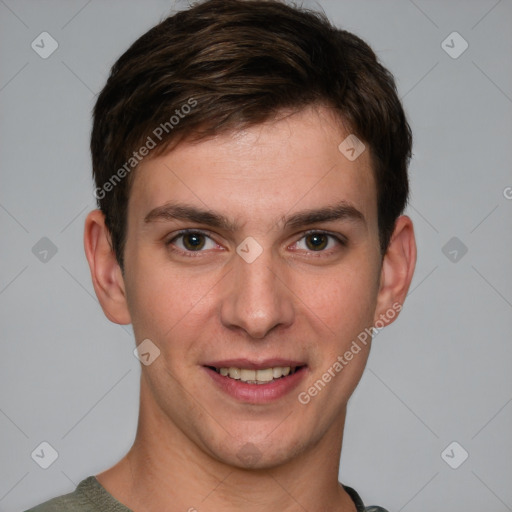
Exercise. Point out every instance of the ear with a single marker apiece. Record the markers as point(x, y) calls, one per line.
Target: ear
point(106, 274)
point(396, 272)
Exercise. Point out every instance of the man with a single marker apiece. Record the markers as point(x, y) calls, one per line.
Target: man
point(251, 171)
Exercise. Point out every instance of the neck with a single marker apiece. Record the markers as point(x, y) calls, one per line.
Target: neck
point(168, 471)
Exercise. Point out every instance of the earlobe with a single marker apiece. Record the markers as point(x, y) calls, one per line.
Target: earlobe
point(397, 271)
point(106, 274)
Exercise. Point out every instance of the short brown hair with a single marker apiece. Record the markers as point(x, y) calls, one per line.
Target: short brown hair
point(236, 63)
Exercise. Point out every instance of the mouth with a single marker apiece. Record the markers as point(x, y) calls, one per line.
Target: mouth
point(256, 382)
point(257, 376)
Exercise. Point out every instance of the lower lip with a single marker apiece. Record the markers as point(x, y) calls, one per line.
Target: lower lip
point(257, 393)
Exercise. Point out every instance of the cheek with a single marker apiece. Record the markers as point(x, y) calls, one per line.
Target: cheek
point(351, 293)
point(165, 302)
point(344, 299)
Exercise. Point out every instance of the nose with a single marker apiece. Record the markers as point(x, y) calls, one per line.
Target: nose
point(257, 298)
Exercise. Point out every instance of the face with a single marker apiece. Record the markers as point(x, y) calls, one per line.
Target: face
point(278, 271)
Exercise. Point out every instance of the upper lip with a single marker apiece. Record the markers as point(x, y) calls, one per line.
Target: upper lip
point(255, 365)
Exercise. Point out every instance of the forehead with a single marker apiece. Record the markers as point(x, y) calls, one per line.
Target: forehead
point(289, 164)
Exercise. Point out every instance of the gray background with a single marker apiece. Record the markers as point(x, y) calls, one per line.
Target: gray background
point(440, 374)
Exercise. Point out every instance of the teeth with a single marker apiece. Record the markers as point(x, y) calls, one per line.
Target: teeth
point(235, 373)
point(265, 375)
point(256, 376)
point(247, 375)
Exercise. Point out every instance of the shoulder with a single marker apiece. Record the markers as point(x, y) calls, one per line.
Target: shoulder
point(75, 501)
point(358, 502)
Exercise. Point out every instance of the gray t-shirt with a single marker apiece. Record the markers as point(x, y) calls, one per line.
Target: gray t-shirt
point(91, 496)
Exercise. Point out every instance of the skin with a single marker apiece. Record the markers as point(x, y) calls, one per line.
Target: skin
point(291, 302)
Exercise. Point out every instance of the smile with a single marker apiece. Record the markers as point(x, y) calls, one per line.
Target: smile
point(256, 382)
point(261, 376)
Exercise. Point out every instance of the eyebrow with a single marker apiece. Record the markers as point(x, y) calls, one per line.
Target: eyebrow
point(179, 211)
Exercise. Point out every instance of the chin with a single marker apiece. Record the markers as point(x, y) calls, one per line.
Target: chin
point(258, 454)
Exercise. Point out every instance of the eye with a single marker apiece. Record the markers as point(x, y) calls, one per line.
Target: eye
point(320, 241)
point(188, 241)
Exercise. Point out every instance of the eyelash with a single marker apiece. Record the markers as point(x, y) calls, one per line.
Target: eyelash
point(193, 254)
